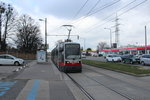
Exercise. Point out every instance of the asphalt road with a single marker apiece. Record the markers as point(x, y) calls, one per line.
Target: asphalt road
point(8, 70)
point(45, 82)
point(95, 58)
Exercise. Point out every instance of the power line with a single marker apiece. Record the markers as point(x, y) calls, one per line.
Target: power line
point(93, 7)
point(102, 8)
point(118, 10)
point(105, 6)
point(76, 13)
point(126, 5)
point(80, 9)
point(129, 9)
point(133, 7)
point(120, 14)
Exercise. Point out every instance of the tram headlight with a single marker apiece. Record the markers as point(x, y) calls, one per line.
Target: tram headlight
point(67, 62)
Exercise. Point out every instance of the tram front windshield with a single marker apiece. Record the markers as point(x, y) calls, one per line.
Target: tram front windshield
point(72, 51)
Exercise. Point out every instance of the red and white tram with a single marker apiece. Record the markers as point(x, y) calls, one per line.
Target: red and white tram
point(67, 57)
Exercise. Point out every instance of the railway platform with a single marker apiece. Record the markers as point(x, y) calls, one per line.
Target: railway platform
point(46, 82)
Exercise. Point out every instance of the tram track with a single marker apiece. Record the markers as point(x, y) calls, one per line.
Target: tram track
point(124, 94)
point(81, 88)
point(88, 94)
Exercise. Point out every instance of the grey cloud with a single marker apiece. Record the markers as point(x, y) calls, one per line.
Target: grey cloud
point(67, 8)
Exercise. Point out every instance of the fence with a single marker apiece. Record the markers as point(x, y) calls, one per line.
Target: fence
point(27, 56)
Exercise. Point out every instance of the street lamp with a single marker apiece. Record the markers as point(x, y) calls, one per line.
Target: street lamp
point(110, 37)
point(146, 38)
point(45, 20)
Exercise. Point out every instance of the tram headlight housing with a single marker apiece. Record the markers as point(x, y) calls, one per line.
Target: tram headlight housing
point(67, 62)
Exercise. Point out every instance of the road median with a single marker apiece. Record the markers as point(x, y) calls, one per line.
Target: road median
point(124, 68)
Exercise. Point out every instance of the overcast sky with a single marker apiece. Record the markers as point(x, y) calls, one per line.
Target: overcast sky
point(90, 21)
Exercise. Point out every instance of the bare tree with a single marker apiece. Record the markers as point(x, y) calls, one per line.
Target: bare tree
point(28, 35)
point(2, 10)
point(8, 20)
point(101, 46)
point(59, 41)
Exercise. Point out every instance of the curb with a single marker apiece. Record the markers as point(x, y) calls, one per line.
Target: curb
point(16, 71)
point(20, 68)
point(25, 66)
point(128, 73)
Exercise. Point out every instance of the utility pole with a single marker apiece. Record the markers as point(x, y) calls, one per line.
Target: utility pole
point(145, 40)
point(146, 37)
point(110, 36)
point(117, 30)
point(45, 20)
point(46, 38)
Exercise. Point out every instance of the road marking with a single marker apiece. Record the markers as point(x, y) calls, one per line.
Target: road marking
point(32, 94)
point(43, 71)
point(5, 86)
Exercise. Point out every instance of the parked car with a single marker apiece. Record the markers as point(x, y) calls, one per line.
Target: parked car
point(100, 55)
point(95, 55)
point(83, 55)
point(6, 59)
point(138, 55)
point(104, 55)
point(129, 58)
point(145, 59)
point(113, 57)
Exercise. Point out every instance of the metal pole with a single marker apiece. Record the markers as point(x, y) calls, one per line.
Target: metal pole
point(110, 37)
point(84, 44)
point(46, 37)
point(0, 28)
point(69, 33)
point(45, 20)
point(145, 41)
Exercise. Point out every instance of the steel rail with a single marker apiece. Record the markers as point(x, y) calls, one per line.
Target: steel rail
point(81, 88)
point(123, 95)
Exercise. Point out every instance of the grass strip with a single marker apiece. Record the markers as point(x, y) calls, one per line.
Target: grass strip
point(118, 67)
